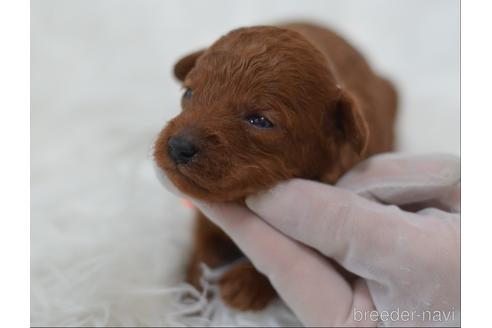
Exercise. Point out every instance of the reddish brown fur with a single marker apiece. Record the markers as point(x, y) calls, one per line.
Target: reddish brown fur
point(329, 110)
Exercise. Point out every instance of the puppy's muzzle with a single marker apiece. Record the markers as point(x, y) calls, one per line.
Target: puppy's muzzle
point(182, 149)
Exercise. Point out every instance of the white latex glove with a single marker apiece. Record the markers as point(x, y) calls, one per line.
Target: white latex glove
point(408, 260)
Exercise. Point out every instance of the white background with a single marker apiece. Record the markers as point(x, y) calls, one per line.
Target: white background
point(101, 89)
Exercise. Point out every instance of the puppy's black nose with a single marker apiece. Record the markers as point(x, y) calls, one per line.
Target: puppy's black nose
point(181, 149)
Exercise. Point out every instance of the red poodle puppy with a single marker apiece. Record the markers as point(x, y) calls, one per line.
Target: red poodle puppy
point(265, 104)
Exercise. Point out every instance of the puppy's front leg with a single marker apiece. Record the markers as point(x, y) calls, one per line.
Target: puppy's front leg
point(242, 286)
point(211, 246)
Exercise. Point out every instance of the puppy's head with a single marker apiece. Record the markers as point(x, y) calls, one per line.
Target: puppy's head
point(260, 106)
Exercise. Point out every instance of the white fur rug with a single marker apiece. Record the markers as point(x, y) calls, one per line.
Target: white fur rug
point(108, 243)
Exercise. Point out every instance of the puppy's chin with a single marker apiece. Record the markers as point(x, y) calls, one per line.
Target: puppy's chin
point(166, 181)
point(183, 186)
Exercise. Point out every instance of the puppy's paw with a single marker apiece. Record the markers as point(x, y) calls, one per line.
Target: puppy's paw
point(244, 288)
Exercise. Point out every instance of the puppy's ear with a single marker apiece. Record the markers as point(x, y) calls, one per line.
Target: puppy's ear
point(185, 64)
point(348, 122)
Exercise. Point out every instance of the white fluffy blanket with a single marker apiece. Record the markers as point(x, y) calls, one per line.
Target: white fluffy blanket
point(108, 243)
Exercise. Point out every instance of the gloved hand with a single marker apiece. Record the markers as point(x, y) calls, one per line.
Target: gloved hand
point(393, 221)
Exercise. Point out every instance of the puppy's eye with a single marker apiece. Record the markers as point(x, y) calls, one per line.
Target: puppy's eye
point(259, 121)
point(187, 94)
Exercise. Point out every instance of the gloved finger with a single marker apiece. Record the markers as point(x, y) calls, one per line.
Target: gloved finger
point(361, 235)
point(402, 179)
point(305, 280)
